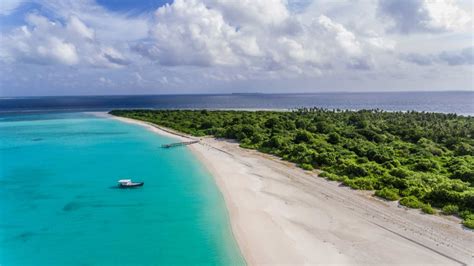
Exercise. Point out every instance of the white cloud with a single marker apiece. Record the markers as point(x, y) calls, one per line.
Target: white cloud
point(453, 58)
point(107, 25)
point(446, 15)
point(344, 38)
point(9, 6)
point(198, 44)
point(259, 36)
point(76, 26)
point(103, 81)
point(44, 41)
point(261, 12)
point(433, 16)
point(58, 50)
point(36, 44)
point(189, 33)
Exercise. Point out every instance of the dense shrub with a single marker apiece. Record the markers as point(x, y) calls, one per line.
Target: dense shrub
point(399, 172)
point(388, 194)
point(450, 209)
point(466, 215)
point(306, 166)
point(426, 208)
point(361, 183)
point(411, 202)
point(427, 157)
point(462, 168)
point(469, 223)
point(303, 136)
point(426, 165)
point(332, 177)
point(334, 138)
point(325, 158)
point(464, 149)
point(356, 170)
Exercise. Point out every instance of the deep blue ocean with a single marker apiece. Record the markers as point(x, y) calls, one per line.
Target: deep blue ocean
point(444, 102)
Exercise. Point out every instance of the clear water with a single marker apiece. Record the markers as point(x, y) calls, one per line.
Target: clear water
point(59, 206)
point(459, 102)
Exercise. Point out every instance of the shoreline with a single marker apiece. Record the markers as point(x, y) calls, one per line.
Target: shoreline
point(281, 214)
point(230, 209)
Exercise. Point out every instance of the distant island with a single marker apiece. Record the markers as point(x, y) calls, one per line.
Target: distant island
point(424, 160)
point(247, 93)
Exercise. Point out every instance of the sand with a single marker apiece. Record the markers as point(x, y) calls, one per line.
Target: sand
point(281, 214)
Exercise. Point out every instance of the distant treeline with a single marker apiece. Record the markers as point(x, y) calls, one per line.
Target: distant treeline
point(422, 159)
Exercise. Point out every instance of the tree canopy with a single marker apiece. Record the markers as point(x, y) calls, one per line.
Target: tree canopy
point(423, 159)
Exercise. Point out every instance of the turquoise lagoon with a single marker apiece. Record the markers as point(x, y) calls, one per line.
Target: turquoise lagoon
point(59, 204)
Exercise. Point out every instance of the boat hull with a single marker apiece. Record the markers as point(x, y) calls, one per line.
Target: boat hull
point(133, 185)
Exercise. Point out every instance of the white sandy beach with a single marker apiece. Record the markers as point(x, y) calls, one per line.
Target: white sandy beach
point(281, 214)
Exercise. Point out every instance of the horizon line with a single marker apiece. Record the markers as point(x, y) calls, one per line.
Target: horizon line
point(233, 93)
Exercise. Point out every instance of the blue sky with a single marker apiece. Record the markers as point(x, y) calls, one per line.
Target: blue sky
point(133, 6)
point(86, 47)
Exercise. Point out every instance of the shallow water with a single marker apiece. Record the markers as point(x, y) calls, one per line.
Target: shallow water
point(58, 203)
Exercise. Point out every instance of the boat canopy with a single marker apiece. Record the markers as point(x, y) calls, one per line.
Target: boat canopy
point(125, 181)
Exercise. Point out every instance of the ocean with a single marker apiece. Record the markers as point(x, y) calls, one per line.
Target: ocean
point(59, 204)
point(460, 102)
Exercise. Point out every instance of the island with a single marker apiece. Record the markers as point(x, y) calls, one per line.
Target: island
point(377, 167)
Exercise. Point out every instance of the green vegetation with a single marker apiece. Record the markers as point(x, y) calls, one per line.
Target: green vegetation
point(411, 202)
point(468, 219)
point(422, 158)
point(469, 223)
point(450, 209)
point(426, 208)
point(388, 193)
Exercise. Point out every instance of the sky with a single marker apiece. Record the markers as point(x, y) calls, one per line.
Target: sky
point(106, 47)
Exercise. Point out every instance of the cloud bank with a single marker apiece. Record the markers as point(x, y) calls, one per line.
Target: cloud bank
point(252, 36)
point(452, 58)
point(192, 44)
point(43, 41)
point(425, 16)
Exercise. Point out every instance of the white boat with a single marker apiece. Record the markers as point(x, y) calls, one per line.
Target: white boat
point(127, 183)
